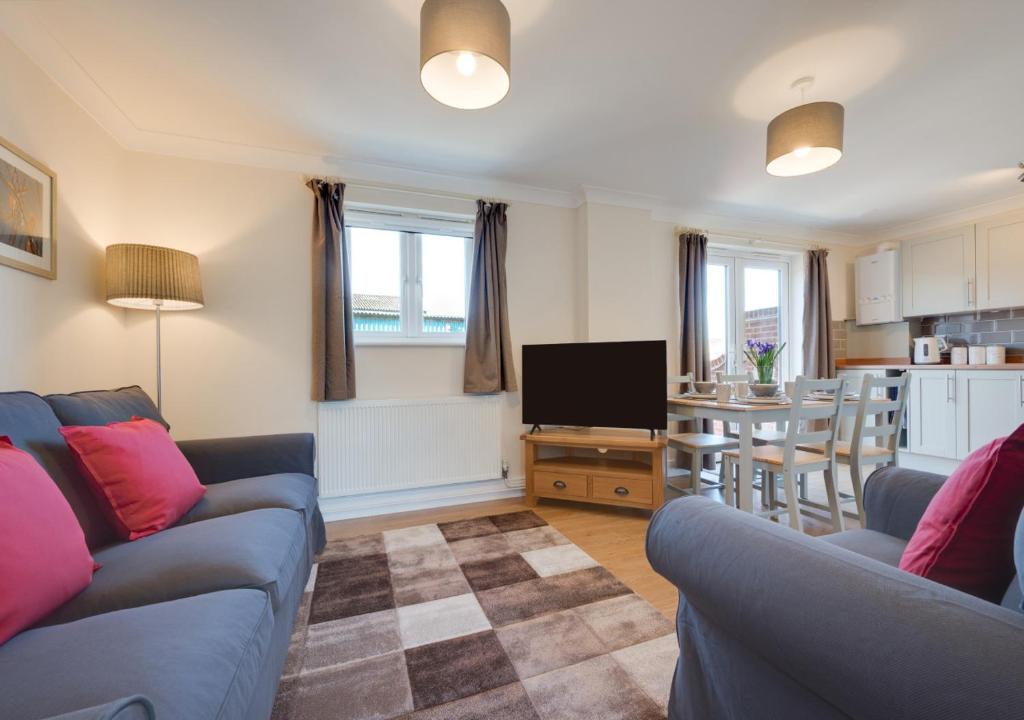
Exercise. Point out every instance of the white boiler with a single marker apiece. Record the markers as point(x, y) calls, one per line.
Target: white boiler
point(877, 288)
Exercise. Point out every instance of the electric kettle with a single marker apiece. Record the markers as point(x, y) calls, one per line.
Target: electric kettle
point(928, 350)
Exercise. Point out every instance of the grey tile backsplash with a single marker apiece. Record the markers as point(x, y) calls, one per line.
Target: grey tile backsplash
point(985, 327)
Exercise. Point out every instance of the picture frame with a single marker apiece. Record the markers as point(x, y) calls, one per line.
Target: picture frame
point(28, 213)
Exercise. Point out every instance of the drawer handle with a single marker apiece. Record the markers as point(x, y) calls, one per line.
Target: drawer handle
point(621, 491)
point(560, 484)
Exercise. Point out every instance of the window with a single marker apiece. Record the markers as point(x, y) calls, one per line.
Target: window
point(747, 299)
point(410, 278)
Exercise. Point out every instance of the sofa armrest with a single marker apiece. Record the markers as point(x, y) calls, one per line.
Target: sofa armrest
point(895, 499)
point(850, 633)
point(130, 708)
point(223, 459)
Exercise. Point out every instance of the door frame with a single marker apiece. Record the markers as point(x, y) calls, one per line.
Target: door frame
point(735, 264)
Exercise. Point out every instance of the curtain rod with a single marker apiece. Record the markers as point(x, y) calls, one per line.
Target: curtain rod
point(750, 239)
point(439, 194)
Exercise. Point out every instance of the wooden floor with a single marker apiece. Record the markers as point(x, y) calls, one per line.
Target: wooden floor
point(614, 537)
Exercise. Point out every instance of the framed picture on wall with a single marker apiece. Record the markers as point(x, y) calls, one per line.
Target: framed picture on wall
point(28, 217)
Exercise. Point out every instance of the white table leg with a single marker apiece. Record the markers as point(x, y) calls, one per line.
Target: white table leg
point(745, 469)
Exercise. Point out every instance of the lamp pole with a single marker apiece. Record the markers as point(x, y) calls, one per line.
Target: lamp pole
point(159, 382)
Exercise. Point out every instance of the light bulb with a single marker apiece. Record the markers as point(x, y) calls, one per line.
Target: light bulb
point(801, 152)
point(465, 63)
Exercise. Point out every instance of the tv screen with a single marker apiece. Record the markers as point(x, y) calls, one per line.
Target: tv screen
point(601, 384)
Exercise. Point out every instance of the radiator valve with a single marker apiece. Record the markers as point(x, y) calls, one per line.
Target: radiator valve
point(504, 469)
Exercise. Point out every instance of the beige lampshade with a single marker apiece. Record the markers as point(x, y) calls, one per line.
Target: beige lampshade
point(465, 51)
point(805, 139)
point(142, 276)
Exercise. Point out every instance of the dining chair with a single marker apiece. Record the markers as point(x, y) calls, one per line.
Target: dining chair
point(876, 403)
point(696, 444)
point(789, 461)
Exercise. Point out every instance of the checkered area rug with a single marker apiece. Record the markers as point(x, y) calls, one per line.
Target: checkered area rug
point(494, 617)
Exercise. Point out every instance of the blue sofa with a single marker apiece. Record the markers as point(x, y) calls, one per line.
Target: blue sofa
point(776, 624)
point(191, 623)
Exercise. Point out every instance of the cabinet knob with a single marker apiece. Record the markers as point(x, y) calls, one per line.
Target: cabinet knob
point(621, 491)
point(560, 484)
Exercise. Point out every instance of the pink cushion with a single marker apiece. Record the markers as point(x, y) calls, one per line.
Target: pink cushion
point(140, 476)
point(44, 560)
point(965, 538)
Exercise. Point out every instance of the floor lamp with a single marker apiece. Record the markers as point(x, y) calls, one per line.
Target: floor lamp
point(146, 277)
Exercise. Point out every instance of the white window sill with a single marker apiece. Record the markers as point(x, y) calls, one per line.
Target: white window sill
point(401, 341)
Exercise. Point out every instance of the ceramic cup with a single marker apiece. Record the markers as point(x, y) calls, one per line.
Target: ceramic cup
point(790, 389)
point(724, 392)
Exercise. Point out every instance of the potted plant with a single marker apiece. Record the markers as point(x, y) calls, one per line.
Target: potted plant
point(763, 356)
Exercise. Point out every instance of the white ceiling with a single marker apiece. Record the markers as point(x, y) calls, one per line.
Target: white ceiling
point(665, 101)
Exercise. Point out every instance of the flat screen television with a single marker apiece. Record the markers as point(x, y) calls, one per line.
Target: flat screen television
point(599, 384)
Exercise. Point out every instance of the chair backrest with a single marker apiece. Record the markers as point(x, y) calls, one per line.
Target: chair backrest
point(685, 382)
point(805, 416)
point(724, 378)
point(876, 401)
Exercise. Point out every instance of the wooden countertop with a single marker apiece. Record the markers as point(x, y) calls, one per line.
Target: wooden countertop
point(1013, 363)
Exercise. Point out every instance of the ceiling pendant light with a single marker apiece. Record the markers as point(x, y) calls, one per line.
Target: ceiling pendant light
point(464, 52)
point(807, 138)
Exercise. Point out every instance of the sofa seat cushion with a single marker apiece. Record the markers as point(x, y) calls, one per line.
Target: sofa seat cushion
point(198, 658)
point(259, 549)
point(870, 543)
point(293, 491)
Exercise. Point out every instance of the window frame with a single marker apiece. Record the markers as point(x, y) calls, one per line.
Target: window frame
point(411, 226)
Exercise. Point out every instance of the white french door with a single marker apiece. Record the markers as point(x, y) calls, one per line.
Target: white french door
point(747, 299)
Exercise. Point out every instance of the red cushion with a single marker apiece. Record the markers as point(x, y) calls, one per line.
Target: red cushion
point(140, 476)
point(965, 538)
point(44, 560)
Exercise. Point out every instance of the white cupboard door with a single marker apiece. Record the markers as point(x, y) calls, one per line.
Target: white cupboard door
point(1000, 257)
point(938, 272)
point(933, 413)
point(988, 407)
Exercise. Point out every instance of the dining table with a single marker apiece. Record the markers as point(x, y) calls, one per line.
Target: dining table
point(745, 415)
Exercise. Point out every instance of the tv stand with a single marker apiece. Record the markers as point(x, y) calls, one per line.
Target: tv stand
point(535, 428)
point(633, 477)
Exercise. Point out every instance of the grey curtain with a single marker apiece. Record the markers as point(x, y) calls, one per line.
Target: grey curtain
point(694, 351)
point(819, 359)
point(334, 370)
point(489, 364)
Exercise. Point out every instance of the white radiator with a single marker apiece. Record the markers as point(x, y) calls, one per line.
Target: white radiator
point(369, 446)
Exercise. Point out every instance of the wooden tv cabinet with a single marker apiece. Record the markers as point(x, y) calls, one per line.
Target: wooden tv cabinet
point(608, 467)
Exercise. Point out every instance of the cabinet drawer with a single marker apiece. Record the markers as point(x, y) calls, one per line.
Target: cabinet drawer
point(553, 484)
point(633, 490)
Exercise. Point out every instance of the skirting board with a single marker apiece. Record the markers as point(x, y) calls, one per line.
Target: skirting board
point(396, 501)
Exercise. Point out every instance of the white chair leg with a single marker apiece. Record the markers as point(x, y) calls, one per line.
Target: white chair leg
point(727, 482)
point(833, 500)
point(696, 462)
point(792, 501)
point(858, 491)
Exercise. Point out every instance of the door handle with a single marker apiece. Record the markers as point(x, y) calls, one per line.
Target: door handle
point(560, 484)
point(970, 293)
point(950, 388)
point(1020, 382)
point(621, 491)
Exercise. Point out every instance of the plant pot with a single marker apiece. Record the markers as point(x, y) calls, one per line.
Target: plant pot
point(764, 389)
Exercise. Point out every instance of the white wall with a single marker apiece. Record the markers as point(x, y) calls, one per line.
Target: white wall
point(59, 335)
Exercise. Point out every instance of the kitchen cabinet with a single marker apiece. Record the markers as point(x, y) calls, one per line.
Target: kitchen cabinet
point(933, 417)
point(989, 406)
point(938, 272)
point(999, 258)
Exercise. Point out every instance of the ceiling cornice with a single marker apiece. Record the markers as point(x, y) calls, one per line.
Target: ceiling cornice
point(955, 217)
point(32, 37)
